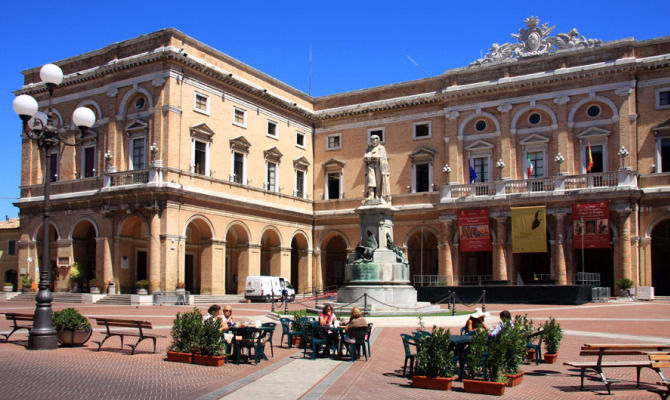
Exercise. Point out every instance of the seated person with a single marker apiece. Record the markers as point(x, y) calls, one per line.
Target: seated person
point(476, 321)
point(327, 316)
point(505, 320)
point(227, 322)
point(356, 320)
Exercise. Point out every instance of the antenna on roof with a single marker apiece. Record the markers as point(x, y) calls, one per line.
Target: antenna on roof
point(418, 66)
point(310, 70)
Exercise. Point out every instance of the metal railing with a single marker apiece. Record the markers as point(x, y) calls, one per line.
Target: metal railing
point(587, 278)
point(472, 279)
point(134, 177)
point(600, 294)
point(430, 280)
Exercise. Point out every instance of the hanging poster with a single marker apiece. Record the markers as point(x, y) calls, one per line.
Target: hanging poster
point(590, 225)
point(473, 230)
point(529, 229)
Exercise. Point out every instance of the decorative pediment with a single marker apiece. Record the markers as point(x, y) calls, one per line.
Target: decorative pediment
point(202, 131)
point(662, 128)
point(240, 144)
point(479, 145)
point(422, 154)
point(534, 140)
point(593, 133)
point(301, 163)
point(333, 165)
point(272, 154)
point(136, 125)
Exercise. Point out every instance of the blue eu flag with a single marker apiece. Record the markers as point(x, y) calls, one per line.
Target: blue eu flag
point(473, 174)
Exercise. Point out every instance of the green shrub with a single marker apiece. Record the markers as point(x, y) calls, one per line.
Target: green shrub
point(435, 359)
point(26, 281)
point(142, 284)
point(512, 345)
point(186, 331)
point(297, 314)
point(625, 283)
point(552, 335)
point(211, 338)
point(76, 274)
point(70, 319)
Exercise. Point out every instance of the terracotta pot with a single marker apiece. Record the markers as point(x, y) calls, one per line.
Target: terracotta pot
point(484, 387)
point(424, 382)
point(212, 361)
point(180, 357)
point(72, 338)
point(530, 356)
point(296, 341)
point(550, 358)
point(513, 380)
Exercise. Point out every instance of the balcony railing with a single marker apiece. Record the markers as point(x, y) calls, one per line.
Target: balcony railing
point(124, 178)
point(620, 178)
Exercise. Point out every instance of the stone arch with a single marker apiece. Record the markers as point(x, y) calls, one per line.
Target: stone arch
point(84, 218)
point(422, 243)
point(329, 234)
point(660, 252)
point(480, 114)
point(300, 276)
point(270, 246)
point(334, 250)
point(83, 234)
point(133, 246)
point(237, 239)
point(92, 104)
point(604, 100)
point(129, 95)
point(197, 275)
point(523, 110)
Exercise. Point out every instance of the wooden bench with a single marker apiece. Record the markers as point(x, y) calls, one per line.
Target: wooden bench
point(17, 321)
point(141, 327)
point(659, 361)
point(602, 350)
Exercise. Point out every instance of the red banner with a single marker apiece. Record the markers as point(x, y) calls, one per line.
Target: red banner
point(473, 230)
point(590, 225)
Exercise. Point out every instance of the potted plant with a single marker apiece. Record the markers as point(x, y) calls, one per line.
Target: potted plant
point(483, 370)
point(94, 285)
point(142, 287)
point(185, 333)
point(512, 344)
point(527, 328)
point(435, 362)
point(7, 286)
point(73, 328)
point(296, 327)
point(552, 340)
point(624, 285)
point(27, 283)
point(76, 276)
point(211, 344)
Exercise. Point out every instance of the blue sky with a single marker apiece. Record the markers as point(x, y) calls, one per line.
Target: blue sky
point(355, 44)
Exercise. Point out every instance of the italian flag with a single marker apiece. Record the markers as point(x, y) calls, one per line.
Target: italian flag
point(530, 165)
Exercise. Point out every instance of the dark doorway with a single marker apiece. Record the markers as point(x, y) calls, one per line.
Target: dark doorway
point(141, 265)
point(597, 260)
point(660, 254)
point(11, 277)
point(475, 267)
point(335, 259)
point(295, 264)
point(188, 273)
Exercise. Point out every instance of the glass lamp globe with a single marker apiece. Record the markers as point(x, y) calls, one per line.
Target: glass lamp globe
point(51, 73)
point(83, 117)
point(25, 105)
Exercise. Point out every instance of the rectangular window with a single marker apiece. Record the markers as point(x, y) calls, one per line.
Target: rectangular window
point(422, 177)
point(200, 158)
point(53, 167)
point(664, 98)
point(665, 155)
point(537, 159)
point(138, 153)
point(272, 129)
point(379, 132)
point(300, 139)
point(11, 247)
point(481, 167)
point(334, 186)
point(201, 103)
point(271, 173)
point(239, 117)
point(238, 168)
point(300, 183)
point(89, 162)
point(422, 130)
point(334, 142)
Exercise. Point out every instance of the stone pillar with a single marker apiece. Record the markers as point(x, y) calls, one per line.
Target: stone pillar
point(446, 266)
point(103, 255)
point(283, 261)
point(248, 266)
point(507, 146)
point(155, 252)
point(499, 259)
point(317, 270)
point(645, 262)
point(560, 271)
point(624, 262)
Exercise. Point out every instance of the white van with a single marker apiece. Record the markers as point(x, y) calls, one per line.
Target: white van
point(263, 288)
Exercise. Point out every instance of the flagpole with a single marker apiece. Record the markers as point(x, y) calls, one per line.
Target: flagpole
point(583, 231)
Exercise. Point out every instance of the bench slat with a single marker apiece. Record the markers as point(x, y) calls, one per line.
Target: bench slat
point(608, 364)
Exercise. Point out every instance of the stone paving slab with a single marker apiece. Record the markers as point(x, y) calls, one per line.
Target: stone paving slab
point(82, 373)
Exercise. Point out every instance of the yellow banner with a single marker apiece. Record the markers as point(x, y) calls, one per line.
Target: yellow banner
point(529, 229)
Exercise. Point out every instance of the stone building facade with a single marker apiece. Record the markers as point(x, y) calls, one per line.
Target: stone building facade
point(206, 170)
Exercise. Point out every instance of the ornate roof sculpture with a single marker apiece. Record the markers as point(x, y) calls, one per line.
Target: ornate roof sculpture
point(535, 40)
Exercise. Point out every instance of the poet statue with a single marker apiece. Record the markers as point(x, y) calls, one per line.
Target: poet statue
point(376, 171)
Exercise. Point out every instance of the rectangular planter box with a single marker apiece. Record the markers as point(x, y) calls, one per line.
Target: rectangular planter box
point(484, 387)
point(180, 357)
point(513, 380)
point(212, 361)
point(424, 382)
point(550, 358)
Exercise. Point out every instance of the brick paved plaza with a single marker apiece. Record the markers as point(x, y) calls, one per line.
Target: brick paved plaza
point(82, 373)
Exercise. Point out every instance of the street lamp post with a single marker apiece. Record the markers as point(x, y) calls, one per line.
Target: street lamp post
point(41, 127)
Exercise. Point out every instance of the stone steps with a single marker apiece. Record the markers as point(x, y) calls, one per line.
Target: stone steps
point(56, 297)
point(215, 299)
point(116, 299)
